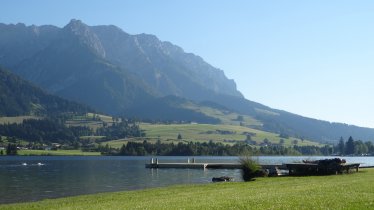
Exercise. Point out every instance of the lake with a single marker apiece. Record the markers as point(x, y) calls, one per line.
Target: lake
point(31, 178)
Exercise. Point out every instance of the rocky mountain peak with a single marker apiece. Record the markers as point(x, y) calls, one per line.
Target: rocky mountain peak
point(76, 26)
point(78, 29)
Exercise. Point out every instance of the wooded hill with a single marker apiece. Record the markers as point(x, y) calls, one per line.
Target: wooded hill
point(19, 97)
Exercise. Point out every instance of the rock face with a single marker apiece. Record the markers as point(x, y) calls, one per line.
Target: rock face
point(85, 35)
point(19, 42)
point(107, 68)
point(164, 66)
point(222, 179)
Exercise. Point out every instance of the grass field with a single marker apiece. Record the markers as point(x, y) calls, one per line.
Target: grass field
point(225, 116)
point(18, 120)
point(349, 191)
point(57, 152)
point(91, 120)
point(229, 132)
point(205, 132)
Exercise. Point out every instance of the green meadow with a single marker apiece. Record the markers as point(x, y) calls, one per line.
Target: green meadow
point(348, 191)
point(56, 152)
point(19, 119)
point(208, 132)
point(225, 116)
point(230, 131)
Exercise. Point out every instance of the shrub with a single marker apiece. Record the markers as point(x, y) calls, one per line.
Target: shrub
point(250, 168)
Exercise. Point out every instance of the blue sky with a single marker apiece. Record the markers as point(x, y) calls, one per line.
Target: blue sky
point(313, 58)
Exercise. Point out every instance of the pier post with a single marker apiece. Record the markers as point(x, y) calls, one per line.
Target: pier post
point(193, 160)
point(156, 160)
point(188, 160)
point(151, 160)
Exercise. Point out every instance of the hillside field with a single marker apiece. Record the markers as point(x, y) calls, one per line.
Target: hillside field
point(230, 131)
point(18, 119)
point(227, 134)
point(57, 152)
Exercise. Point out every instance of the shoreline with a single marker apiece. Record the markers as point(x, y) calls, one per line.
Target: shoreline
point(335, 192)
point(82, 153)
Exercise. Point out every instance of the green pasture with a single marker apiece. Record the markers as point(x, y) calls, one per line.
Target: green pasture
point(56, 152)
point(207, 132)
point(91, 120)
point(225, 116)
point(168, 133)
point(104, 118)
point(18, 119)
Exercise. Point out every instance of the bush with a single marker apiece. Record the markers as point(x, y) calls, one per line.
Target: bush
point(250, 168)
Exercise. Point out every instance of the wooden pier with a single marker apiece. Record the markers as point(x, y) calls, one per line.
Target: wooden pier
point(193, 165)
point(292, 168)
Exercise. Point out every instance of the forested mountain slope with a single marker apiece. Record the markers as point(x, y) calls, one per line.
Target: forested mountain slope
point(19, 97)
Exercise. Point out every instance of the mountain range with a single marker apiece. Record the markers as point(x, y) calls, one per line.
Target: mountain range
point(105, 63)
point(118, 73)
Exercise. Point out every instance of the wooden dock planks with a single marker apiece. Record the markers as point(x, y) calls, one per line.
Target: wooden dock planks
point(208, 166)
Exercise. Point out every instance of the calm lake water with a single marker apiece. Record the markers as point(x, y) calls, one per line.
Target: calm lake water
point(31, 178)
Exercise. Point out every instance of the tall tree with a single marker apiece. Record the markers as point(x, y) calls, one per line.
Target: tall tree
point(361, 147)
point(341, 146)
point(11, 149)
point(350, 146)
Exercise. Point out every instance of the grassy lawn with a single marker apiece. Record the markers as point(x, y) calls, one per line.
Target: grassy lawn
point(57, 152)
point(352, 191)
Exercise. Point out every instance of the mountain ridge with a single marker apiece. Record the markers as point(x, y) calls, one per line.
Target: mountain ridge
point(115, 72)
point(146, 65)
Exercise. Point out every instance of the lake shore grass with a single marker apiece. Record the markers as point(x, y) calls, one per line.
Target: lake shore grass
point(348, 191)
point(56, 153)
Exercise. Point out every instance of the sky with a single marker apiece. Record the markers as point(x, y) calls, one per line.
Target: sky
point(313, 58)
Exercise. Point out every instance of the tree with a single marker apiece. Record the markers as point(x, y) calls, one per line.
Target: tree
point(341, 146)
point(360, 147)
point(284, 135)
point(350, 146)
point(179, 136)
point(370, 147)
point(11, 149)
point(12, 139)
point(240, 118)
